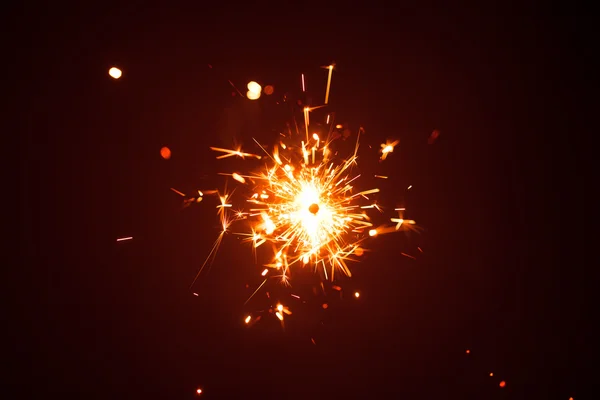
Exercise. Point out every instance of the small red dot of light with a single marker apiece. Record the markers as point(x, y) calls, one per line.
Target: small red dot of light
point(165, 153)
point(502, 384)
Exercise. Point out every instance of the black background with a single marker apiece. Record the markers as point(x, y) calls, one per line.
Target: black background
point(501, 274)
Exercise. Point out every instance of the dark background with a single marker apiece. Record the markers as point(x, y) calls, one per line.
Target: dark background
point(502, 273)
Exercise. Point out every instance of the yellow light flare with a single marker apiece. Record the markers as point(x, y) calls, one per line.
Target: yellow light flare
point(115, 73)
point(356, 294)
point(248, 319)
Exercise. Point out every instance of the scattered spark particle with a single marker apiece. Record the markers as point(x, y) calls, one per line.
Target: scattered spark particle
point(303, 85)
point(124, 238)
point(238, 177)
point(265, 271)
point(115, 73)
point(434, 135)
point(165, 153)
point(468, 351)
point(325, 306)
point(381, 177)
point(313, 341)
point(408, 255)
point(491, 374)
point(269, 89)
point(279, 315)
point(198, 391)
point(421, 250)
point(178, 192)
point(336, 287)
point(248, 319)
point(328, 84)
point(338, 126)
point(356, 294)
point(409, 187)
point(373, 232)
point(388, 147)
point(502, 384)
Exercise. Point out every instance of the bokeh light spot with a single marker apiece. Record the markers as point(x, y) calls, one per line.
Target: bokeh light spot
point(165, 153)
point(115, 73)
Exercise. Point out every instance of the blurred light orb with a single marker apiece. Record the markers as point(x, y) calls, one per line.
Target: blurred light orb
point(165, 153)
point(269, 89)
point(254, 87)
point(115, 72)
point(253, 95)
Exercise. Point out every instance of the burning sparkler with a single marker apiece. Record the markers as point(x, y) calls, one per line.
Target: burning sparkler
point(303, 203)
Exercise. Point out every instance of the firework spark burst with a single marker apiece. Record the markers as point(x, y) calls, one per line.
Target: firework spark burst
point(305, 203)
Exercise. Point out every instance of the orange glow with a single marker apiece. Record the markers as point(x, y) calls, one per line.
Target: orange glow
point(269, 90)
point(502, 384)
point(198, 391)
point(468, 351)
point(373, 232)
point(491, 374)
point(325, 306)
point(338, 126)
point(248, 319)
point(115, 73)
point(165, 153)
point(357, 295)
point(359, 251)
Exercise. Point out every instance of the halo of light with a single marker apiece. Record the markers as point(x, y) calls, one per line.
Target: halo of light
point(115, 73)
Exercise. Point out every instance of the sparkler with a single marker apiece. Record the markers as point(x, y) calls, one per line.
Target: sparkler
point(303, 204)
